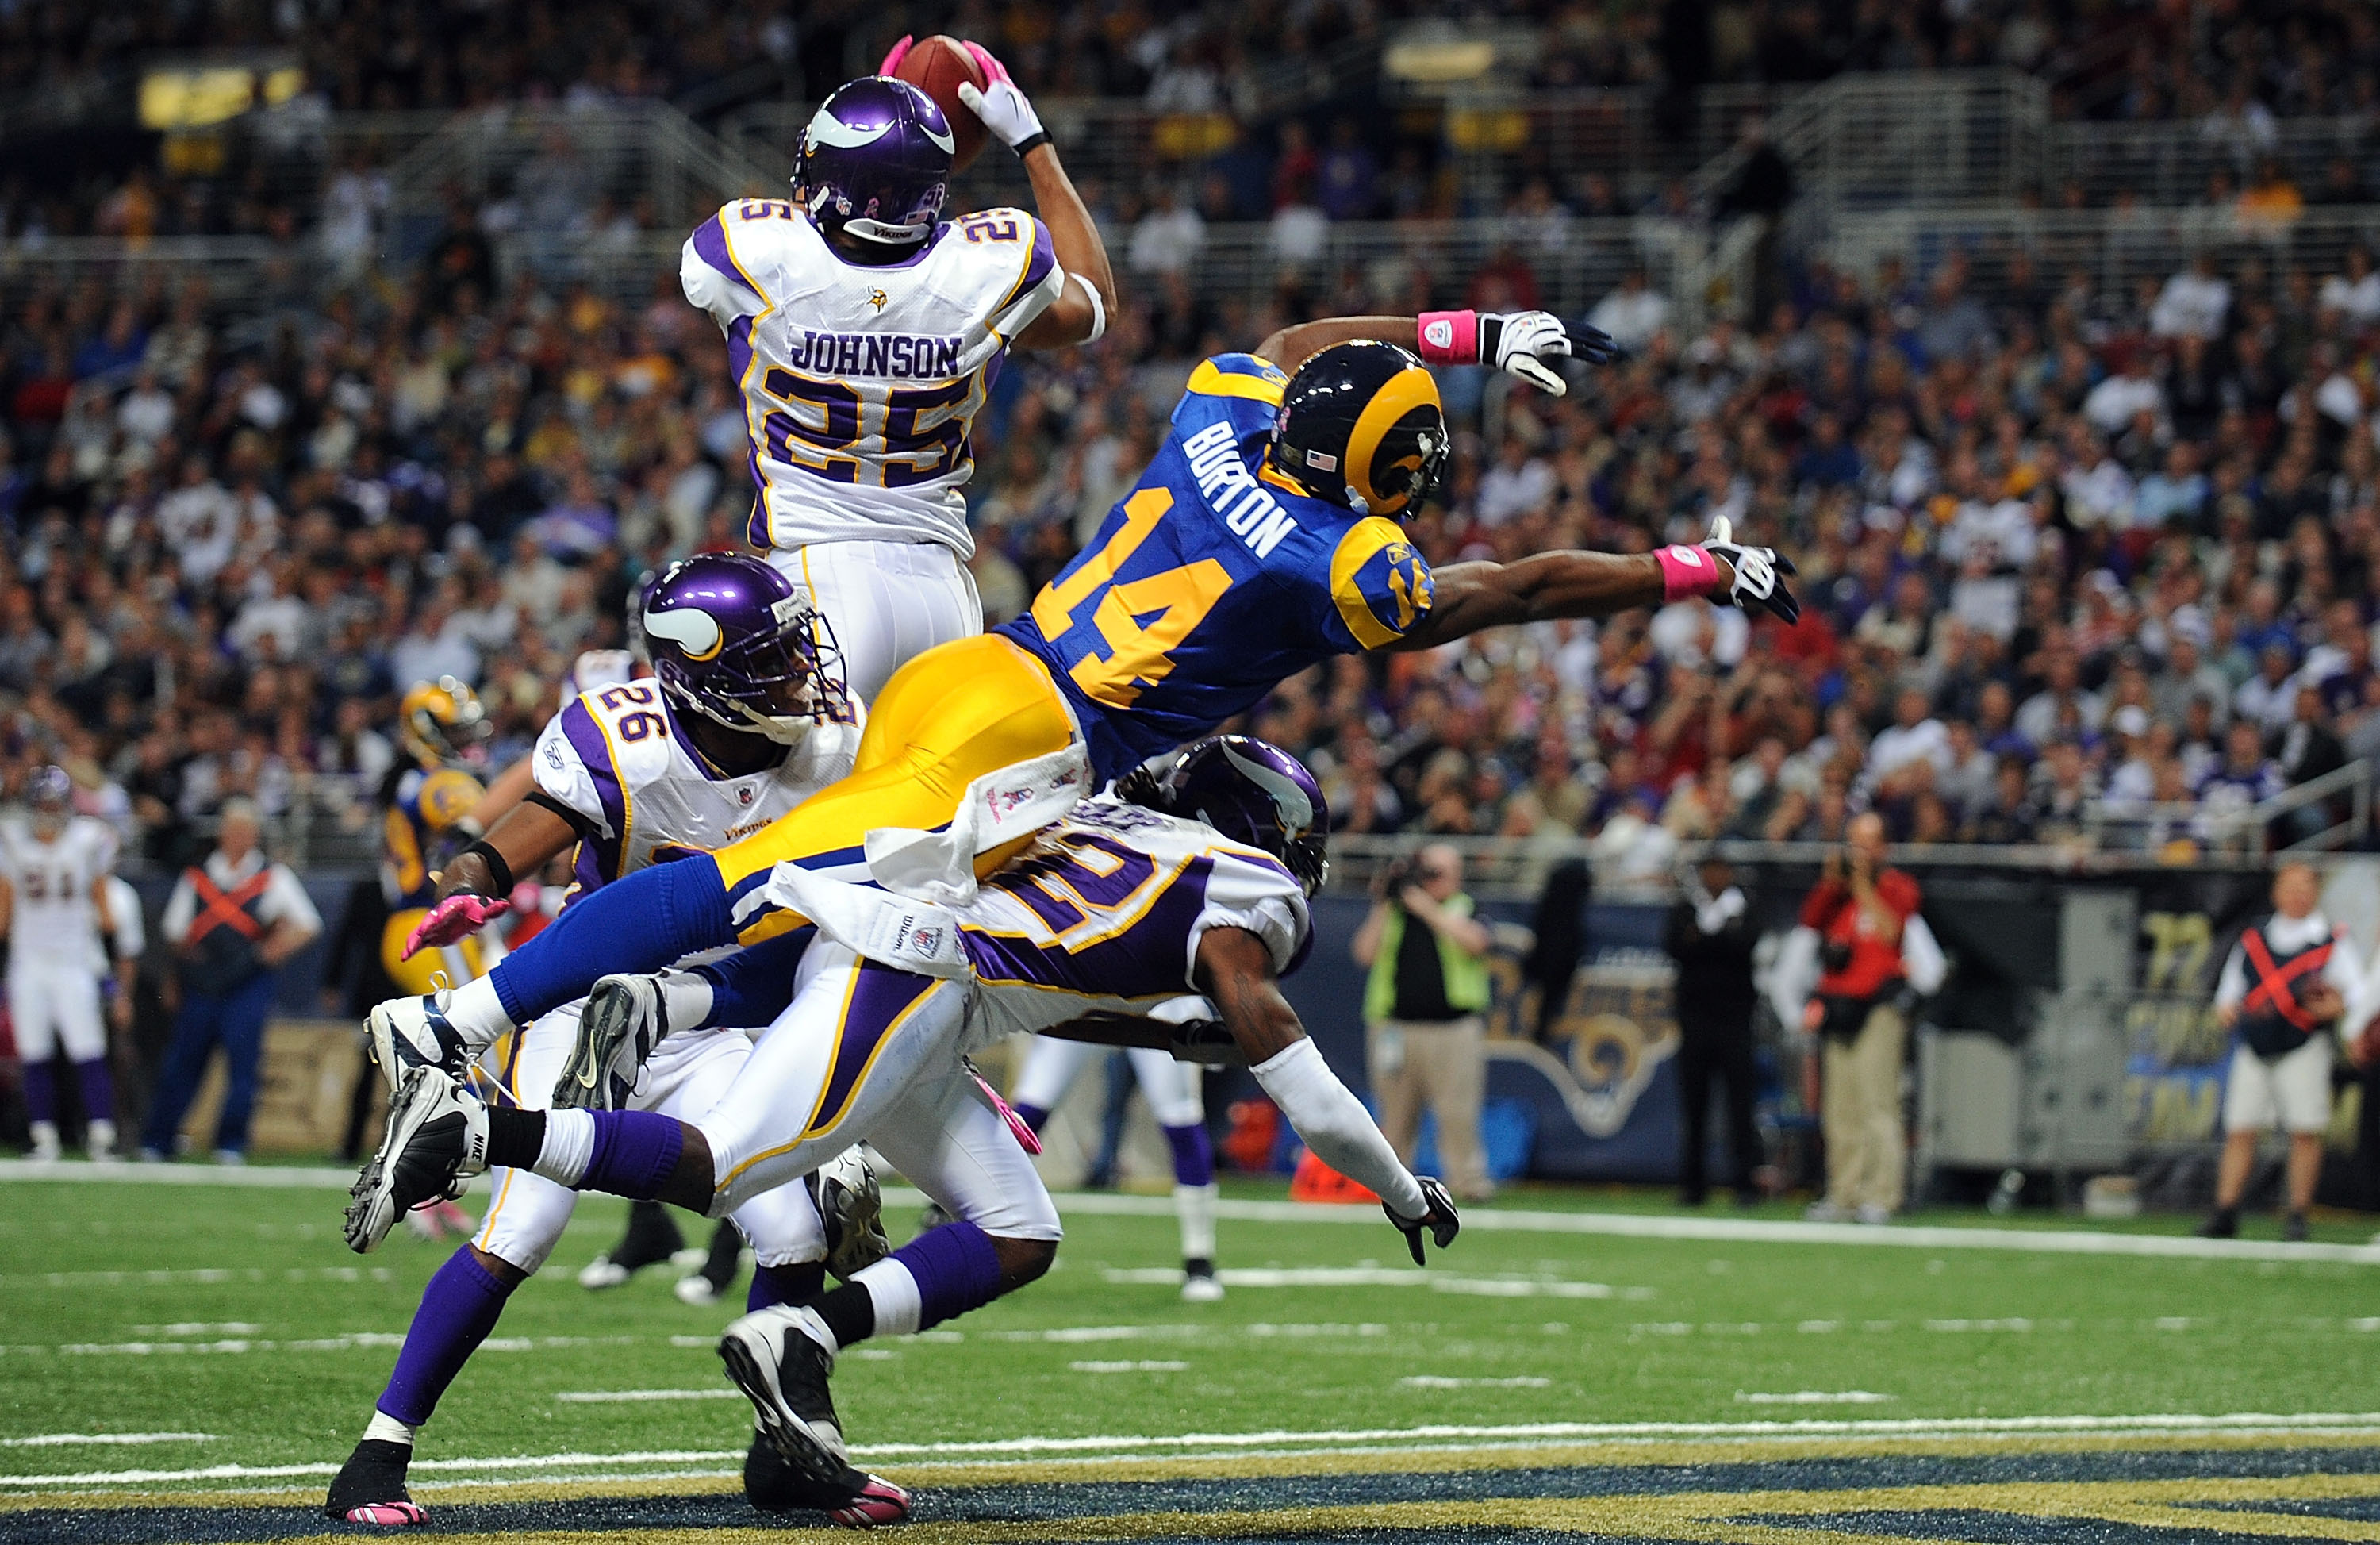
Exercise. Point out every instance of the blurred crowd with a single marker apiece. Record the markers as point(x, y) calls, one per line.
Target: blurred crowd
point(1244, 70)
point(2069, 557)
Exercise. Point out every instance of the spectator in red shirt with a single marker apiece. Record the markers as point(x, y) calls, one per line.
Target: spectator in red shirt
point(1860, 911)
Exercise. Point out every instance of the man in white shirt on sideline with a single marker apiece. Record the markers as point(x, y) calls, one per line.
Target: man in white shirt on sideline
point(2286, 989)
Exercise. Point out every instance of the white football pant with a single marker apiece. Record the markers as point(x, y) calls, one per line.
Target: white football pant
point(888, 602)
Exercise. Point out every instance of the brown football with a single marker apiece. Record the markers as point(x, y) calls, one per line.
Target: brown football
point(937, 66)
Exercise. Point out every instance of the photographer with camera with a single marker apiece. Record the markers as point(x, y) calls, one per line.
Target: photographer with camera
point(1425, 1011)
point(1871, 943)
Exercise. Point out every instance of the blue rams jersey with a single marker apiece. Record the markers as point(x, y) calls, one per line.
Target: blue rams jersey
point(1214, 580)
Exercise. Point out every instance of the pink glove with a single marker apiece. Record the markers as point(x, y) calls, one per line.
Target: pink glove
point(992, 68)
point(452, 921)
point(900, 51)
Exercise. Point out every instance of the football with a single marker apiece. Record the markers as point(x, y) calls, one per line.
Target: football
point(937, 66)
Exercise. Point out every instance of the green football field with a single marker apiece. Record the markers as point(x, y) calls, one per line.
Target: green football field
point(175, 1339)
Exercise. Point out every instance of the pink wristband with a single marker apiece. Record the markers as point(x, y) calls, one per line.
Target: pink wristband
point(1685, 572)
point(1449, 337)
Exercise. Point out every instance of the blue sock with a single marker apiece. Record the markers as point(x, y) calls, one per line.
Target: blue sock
point(1033, 1116)
point(40, 1092)
point(751, 987)
point(639, 923)
point(98, 1089)
point(459, 1307)
point(1194, 1154)
point(634, 1151)
point(799, 1284)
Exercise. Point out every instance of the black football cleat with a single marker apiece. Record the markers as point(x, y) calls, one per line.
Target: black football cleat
point(370, 1488)
point(782, 1367)
point(853, 1499)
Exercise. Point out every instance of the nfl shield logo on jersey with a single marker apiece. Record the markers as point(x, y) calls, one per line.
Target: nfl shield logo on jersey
point(743, 796)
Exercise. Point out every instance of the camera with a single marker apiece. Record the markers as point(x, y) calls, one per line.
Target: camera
point(1400, 873)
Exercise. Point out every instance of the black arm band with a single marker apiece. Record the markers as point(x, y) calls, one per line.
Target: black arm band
point(570, 818)
point(1030, 143)
point(501, 870)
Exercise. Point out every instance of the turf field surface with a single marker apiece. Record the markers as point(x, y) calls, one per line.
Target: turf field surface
point(212, 1347)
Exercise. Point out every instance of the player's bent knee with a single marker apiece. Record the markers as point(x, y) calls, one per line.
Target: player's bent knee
point(1023, 1261)
point(502, 1270)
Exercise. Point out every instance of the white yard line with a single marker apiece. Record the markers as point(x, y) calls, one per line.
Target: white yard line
point(619, 1397)
point(1434, 1438)
point(1723, 1230)
point(1507, 1286)
point(80, 1439)
point(1815, 1397)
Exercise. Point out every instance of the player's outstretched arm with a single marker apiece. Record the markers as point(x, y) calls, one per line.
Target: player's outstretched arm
point(1234, 968)
point(1080, 314)
point(1546, 587)
point(473, 887)
point(1522, 344)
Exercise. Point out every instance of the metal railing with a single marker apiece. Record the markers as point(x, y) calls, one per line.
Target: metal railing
point(1906, 139)
point(2114, 249)
point(1519, 866)
point(2319, 815)
point(2170, 163)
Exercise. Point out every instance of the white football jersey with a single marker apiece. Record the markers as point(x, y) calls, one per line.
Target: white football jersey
point(1105, 913)
point(860, 382)
point(619, 758)
point(52, 918)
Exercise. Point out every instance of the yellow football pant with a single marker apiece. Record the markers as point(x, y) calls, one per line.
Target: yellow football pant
point(432, 969)
point(951, 715)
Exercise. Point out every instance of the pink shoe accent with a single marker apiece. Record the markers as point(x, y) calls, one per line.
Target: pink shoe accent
point(397, 1515)
point(878, 1503)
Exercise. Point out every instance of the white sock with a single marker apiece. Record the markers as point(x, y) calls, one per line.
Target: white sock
point(685, 998)
point(1195, 1206)
point(386, 1428)
point(474, 1009)
point(899, 1306)
point(569, 1148)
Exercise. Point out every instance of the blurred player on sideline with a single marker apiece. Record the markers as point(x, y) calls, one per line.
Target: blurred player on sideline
point(1171, 1090)
point(444, 731)
point(53, 901)
point(864, 331)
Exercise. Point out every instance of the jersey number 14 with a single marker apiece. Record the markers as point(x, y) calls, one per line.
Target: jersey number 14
point(1174, 601)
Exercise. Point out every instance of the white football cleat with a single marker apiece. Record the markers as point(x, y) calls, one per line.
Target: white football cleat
point(853, 1207)
point(437, 1135)
point(406, 1033)
point(778, 1357)
point(602, 1272)
point(624, 1019)
point(1198, 1283)
point(697, 1290)
point(45, 1150)
point(99, 1138)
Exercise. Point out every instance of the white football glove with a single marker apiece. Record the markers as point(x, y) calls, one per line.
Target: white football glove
point(1520, 343)
point(1005, 110)
point(1757, 571)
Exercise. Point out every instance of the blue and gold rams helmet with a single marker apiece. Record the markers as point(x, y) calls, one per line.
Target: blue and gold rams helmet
point(1361, 425)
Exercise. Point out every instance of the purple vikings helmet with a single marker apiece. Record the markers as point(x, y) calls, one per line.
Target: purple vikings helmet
point(51, 793)
point(876, 162)
point(735, 641)
point(1252, 792)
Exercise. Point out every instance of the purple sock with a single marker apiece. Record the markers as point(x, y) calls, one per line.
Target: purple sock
point(98, 1089)
point(1032, 1115)
point(1194, 1155)
point(458, 1309)
point(956, 1270)
point(40, 1092)
point(634, 1151)
point(797, 1283)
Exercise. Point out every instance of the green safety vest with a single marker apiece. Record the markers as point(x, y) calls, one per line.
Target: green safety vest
point(1467, 974)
